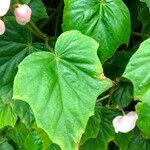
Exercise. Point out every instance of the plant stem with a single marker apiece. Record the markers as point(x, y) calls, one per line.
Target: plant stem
point(36, 31)
point(51, 17)
point(39, 32)
point(121, 110)
point(48, 46)
point(141, 34)
point(101, 99)
point(51, 9)
point(116, 107)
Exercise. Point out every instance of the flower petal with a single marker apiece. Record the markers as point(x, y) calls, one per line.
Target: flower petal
point(4, 7)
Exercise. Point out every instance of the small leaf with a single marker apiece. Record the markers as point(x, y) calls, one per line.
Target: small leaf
point(7, 115)
point(108, 22)
point(46, 142)
point(18, 134)
point(33, 141)
point(106, 132)
point(54, 147)
point(122, 140)
point(62, 88)
point(138, 142)
point(24, 112)
point(123, 94)
point(6, 146)
point(138, 72)
point(92, 128)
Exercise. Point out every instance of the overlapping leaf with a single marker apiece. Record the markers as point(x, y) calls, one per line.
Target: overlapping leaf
point(132, 141)
point(15, 45)
point(108, 22)
point(7, 115)
point(122, 95)
point(5, 145)
point(92, 128)
point(33, 141)
point(62, 88)
point(138, 72)
point(23, 111)
point(106, 132)
point(18, 134)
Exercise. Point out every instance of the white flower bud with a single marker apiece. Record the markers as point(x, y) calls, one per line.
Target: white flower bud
point(2, 27)
point(4, 7)
point(23, 14)
point(125, 123)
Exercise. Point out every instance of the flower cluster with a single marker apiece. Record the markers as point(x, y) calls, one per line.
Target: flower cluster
point(22, 13)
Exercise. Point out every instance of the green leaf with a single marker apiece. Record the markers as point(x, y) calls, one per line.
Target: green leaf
point(122, 140)
point(33, 141)
point(38, 10)
point(6, 146)
point(46, 142)
point(138, 72)
point(108, 22)
point(92, 128)
point(7, 115)
point(147, 3)
point(143, 110)
point(138, 142)
point(53, 147)
point(91, 144)
point(62, 88)
point(144, 17)
point(106, 132)
point(24, 112)
point(132, 141)
point(18, 134)
point(15, 45)
point(122, 95)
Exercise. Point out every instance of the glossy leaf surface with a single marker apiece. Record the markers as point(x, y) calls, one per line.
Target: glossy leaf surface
point(108, 22)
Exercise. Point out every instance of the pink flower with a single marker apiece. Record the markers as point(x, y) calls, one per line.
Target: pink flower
point(4, 7)
point(2, 27)
point(23, 14)
point(125, 123)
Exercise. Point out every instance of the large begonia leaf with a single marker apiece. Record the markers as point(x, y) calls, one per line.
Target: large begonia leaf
point(62, 87)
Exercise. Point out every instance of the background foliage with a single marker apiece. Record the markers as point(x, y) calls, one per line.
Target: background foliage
point(70, 71)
